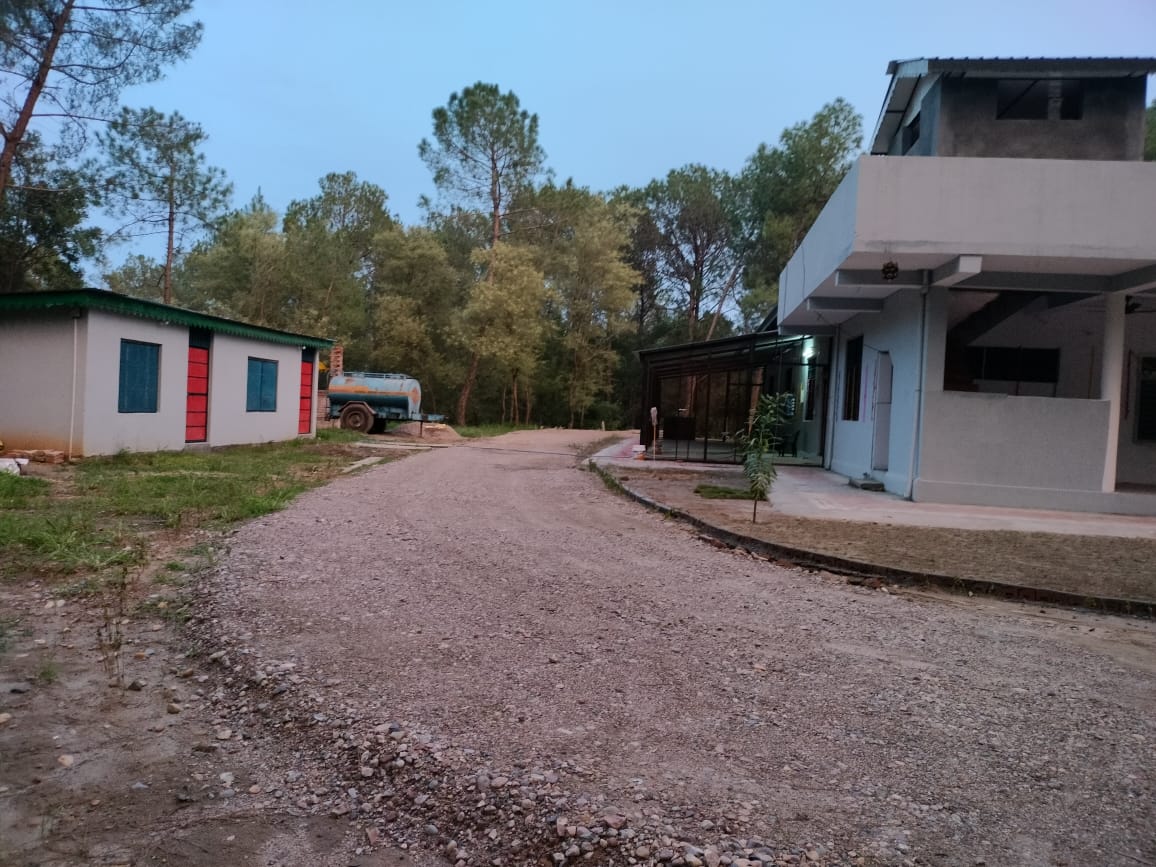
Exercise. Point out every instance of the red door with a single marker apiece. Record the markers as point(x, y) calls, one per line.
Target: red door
point(197, 404)
point(305, 416)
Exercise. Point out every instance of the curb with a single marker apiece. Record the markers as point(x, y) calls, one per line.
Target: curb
point(858, 569)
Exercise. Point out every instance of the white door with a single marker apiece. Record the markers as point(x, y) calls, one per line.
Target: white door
point(881, 441)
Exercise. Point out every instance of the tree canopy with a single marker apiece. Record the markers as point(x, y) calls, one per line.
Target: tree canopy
point(70, 61)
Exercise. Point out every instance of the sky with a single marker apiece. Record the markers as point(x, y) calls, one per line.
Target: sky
point(290, 90)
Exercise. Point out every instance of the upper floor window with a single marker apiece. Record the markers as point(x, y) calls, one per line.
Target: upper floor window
point(1039, 99)
point(911, 134)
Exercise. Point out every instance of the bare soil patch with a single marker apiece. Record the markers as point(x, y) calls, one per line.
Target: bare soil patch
point(438, 433)
point(99, 771)
point(1092, 565)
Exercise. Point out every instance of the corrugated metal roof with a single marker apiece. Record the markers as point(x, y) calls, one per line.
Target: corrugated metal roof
point(1026, 66)
point(114, 302)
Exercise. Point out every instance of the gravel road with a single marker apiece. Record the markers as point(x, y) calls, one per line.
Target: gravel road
point(503, 601)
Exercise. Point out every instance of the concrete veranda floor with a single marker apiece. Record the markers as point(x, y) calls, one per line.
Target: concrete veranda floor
point(811, 492)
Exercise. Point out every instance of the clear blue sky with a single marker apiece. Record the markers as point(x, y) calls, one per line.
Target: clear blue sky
point(289, 90)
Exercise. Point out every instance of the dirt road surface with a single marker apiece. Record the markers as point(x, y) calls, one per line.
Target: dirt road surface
point(548, 652)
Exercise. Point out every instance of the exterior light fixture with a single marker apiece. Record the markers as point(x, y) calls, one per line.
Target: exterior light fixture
point(890, 270)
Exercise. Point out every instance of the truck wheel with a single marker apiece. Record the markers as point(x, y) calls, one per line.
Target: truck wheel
point(357, 417)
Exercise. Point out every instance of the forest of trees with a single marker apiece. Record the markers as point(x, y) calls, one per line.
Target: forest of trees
point(517, 299)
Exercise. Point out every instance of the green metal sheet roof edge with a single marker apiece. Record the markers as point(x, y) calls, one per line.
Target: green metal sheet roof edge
point(114, 302)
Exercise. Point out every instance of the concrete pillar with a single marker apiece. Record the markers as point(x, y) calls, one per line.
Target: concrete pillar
point(935, 338)
point(1111, 381)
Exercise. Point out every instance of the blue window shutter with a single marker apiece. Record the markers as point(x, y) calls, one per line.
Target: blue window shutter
point(253, 386)
point(124, 395)
point(139, 376)
point(269, 387)
point(261, 386)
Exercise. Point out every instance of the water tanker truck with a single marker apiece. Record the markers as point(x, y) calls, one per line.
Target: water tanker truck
point(366, 401)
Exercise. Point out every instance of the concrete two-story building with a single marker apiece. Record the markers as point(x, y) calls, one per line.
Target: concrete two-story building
point(986, 279)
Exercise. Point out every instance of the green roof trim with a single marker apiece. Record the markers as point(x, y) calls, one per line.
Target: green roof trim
point(114, 302)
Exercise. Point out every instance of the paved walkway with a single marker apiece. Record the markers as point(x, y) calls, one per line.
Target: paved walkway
point(811, 492)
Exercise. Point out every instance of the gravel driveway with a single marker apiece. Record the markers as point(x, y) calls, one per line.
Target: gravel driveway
point(503, 601)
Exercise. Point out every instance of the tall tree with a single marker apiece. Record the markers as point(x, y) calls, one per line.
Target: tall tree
point(139, 276)
point(789, 184)
point(42, 234)
point(501, 323)
point(330, 243)
point(69, 61)
point(242, 270)
point(418, 294)
point(157, 177)
point(580, 241)
point(692, 230)
point(485, 150)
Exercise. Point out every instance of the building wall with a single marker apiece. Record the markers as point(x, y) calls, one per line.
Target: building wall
point(34, 410)
point(106, 430)
point(896, 331)
point(828, 243)
point(1005, 441)
point(229, 422)
point(36, 385)
point(925, 212)
point(1077, 330)
point(1029, 208)
point(1112, 126)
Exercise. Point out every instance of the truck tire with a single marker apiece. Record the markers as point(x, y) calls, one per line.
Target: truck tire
point(358, 417)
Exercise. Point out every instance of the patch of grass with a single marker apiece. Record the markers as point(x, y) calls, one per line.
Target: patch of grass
point(722, 492)
point(336, 435)
point(91, 520)
point(474, 431)
point(20, 492)
point(48, 673)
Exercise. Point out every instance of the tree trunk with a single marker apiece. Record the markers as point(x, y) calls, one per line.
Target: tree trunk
point(529, 400)
point(464, 397)
point(13, 137)
point(495, 199)
point(168, 295)
point(514, 401)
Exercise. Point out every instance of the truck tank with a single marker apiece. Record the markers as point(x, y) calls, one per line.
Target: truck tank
point(391, 395)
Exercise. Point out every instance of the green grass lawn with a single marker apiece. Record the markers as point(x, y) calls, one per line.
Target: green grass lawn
point(722, 492)
point(101, 513)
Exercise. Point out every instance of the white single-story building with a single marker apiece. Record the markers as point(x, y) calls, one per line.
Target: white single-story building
point(987, 278)
point(91, 372)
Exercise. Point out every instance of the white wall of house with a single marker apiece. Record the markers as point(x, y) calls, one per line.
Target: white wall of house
point(895, 331)
point(229, 421)
point(1075, 216)
point(1000, 441)
point(106, 429)
point(1077, 330)
point(1006, 207)
point(36, 356)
